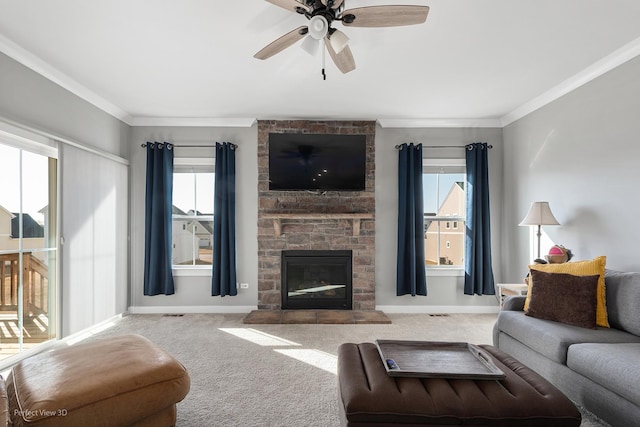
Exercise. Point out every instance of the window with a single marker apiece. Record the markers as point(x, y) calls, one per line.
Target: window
point(444, 206)
point(192, 235)
point(28, 245)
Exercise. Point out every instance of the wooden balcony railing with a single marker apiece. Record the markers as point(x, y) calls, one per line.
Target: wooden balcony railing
point(35, 276)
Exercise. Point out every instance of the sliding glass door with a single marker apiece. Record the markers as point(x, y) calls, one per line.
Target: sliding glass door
point(28, 247)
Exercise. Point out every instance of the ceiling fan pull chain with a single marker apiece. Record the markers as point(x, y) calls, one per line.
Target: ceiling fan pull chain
point(324, 75)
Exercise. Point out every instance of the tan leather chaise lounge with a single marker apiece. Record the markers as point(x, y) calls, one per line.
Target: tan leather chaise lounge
point(119, 381)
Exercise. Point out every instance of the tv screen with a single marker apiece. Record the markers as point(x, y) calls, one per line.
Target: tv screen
point(317, 162)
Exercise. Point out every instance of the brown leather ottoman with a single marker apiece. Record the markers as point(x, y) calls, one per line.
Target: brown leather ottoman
point(369, 397)
point(120, 381)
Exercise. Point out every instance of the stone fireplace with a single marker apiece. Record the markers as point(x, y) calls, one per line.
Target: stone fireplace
point(315, 221)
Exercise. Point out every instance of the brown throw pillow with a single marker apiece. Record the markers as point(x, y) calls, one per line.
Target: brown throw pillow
point(564, 298)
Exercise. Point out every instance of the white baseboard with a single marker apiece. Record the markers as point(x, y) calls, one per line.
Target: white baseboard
point(220, 309)
point(192, 309)
point(439, 309)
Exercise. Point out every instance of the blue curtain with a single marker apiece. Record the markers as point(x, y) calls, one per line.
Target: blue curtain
point(478, 277)
point(158, 278)
point(411, 277)
point(224, 222)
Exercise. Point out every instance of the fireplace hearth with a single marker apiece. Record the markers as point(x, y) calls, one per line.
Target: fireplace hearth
point(317, 279)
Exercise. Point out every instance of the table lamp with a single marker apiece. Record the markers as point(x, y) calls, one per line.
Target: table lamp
point(539, 214)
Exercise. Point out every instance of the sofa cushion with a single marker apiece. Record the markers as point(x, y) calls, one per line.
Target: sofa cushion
point(580, 268)
point(623, 296)
point(564, 298)
point(613, 366)
point(552, 339)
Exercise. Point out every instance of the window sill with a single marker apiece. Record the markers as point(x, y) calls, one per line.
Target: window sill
point(445, 271)
point(191, 271)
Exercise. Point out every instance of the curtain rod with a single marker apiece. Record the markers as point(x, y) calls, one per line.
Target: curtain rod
point(444, 146)
point(234, 146)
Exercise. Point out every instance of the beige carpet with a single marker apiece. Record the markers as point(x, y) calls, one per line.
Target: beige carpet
point(279, 374)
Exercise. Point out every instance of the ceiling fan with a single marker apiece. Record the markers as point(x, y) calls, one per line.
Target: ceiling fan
point(323, 13)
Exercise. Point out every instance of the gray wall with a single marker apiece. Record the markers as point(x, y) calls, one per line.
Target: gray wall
point(31, 100)
point(444, 293)
point(194, 293)
point(581, 154)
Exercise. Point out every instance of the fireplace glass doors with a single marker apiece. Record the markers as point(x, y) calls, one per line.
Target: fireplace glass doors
point(316, 280)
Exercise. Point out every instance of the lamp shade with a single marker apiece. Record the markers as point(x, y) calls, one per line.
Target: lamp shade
point(539, 214)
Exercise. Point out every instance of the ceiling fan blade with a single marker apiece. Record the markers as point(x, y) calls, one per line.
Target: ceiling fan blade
point(290, 5)
point(336, 4)
point(281, 43)
point(343, 60)
point(385, 16)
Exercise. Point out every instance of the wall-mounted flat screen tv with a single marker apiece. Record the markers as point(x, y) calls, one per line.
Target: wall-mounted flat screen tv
point(321, 162)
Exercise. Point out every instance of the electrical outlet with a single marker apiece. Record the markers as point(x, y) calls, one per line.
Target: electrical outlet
point(244, 286)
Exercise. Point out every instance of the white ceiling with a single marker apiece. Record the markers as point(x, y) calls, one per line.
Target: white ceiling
point(482, 62)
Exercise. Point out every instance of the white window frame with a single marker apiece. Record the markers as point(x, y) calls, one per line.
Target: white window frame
point(430, 165)
point(199, 164)
point(23, 139)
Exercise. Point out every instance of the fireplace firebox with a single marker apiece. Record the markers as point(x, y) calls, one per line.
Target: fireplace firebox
point(317, 280)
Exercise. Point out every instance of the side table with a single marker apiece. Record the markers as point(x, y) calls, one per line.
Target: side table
point(508, 289)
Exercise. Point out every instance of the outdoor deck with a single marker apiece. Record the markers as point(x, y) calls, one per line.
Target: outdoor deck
point(35, 297)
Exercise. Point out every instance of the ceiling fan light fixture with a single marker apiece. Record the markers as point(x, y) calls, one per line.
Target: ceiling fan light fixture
point(318, 27)
point(338, 41)
point(310, 45)
point(322, 14)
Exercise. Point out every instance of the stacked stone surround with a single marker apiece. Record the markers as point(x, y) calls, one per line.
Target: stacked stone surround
point(324, 233)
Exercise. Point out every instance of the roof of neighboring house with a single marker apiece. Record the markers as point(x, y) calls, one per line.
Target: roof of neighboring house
point(177, 211)
point(2, 208)
point(30, 227)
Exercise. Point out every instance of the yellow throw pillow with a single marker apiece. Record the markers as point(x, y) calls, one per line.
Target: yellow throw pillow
point(579, 268)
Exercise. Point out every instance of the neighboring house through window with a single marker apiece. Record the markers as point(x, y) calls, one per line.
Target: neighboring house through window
point(445, 210)
point(192, 213)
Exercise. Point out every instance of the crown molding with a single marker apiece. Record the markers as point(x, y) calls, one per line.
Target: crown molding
point(241, 122)
point(439, 123)
point(51, 73)
point(606, 64)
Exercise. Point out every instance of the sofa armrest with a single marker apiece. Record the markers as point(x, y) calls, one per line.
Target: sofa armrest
point(4, 404)
point(514, 303)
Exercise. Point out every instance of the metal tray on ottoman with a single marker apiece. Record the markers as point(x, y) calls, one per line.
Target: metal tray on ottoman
point(433, 359)
point(370, 397)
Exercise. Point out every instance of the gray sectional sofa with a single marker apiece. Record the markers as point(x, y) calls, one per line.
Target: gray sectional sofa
point(598, 369)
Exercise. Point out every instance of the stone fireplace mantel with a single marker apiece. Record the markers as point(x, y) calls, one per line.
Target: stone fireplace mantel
point(353, 217)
